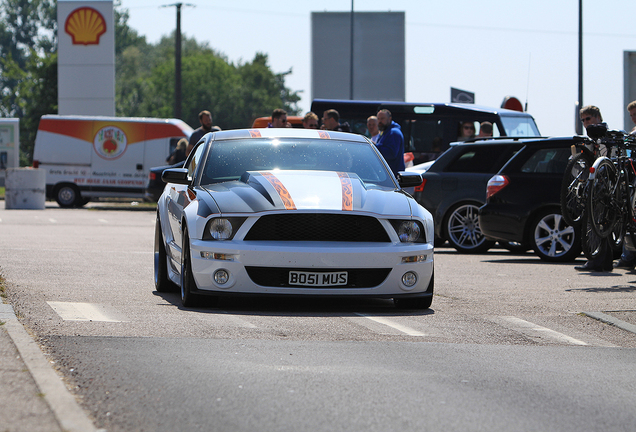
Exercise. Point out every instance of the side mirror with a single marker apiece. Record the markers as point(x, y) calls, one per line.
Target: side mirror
point(409, 179)
point(175, 175)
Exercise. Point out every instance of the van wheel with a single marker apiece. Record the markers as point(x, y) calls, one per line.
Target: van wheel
point(67, 195)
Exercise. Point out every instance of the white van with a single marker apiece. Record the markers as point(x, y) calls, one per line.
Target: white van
point(91, 157)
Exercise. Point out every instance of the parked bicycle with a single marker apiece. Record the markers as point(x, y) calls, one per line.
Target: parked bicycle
point(612, 185)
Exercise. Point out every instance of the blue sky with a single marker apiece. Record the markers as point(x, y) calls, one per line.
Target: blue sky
point(494, 48)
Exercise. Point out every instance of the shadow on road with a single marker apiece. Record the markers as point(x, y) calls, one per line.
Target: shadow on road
point(294, 306)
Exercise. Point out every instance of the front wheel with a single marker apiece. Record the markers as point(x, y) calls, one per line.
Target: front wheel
point(162, 282)
point(68, 195)
point(463, 231)
point(552, 239)
point(417, 302)
point(188, 284)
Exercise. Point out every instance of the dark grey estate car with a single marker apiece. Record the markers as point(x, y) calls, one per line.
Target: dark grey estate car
point(454, 188)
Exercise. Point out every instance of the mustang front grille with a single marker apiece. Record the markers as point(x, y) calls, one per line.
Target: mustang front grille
point(279, 277)
point(318, 227)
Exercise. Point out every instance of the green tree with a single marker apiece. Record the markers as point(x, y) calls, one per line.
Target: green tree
point(28, 65)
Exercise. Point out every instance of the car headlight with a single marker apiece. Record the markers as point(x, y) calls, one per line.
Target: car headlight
point(222, 228)
point(409, 231)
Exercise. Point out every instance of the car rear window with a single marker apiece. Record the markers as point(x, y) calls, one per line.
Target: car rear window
point(482, 159)
point(547, 160)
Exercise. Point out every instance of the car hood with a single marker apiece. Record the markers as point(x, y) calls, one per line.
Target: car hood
point(259, 191)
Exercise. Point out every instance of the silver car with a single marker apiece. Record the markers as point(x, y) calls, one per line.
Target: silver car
point(292, 212)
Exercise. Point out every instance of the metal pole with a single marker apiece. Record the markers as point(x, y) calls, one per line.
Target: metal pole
point(579, 126)
point(177, 65)
point(351, 57)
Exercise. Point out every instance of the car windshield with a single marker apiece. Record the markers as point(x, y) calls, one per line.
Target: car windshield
point(520, 126)
point(228, 160)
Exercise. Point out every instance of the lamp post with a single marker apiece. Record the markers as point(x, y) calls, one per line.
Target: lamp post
point(579, 126)
point(177, 59)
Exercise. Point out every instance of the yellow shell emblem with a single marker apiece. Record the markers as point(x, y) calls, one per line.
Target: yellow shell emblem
point(85, 25)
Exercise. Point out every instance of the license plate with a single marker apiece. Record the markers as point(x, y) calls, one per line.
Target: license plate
point(317, 279)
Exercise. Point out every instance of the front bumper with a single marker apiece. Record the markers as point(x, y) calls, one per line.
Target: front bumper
point(280, 257)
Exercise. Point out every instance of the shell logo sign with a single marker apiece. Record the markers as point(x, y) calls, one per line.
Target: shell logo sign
point(110, 142)
point(85, 25)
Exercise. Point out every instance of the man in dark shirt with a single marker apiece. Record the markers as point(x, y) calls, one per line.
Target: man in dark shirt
point(205, 118)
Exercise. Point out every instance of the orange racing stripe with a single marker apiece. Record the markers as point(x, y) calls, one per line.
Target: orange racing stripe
point(347, 191)
point(283, 193)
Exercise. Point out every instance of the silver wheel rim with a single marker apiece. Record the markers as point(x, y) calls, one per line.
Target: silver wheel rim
point(463, 227)
point(553, 236)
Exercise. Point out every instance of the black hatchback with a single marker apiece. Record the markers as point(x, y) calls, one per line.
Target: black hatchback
point(523, 200)
point(454, 187)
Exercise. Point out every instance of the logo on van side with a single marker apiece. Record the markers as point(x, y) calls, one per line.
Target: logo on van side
point(110, 142)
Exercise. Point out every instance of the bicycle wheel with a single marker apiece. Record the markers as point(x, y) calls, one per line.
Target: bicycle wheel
point(601, 202)
point(590, 241)
point(573, 184)
point(630, 224)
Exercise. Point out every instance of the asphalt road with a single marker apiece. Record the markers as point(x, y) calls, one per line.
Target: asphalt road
point(509, 344)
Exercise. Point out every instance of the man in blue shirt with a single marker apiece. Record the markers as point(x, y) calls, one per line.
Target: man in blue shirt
point(391, 142)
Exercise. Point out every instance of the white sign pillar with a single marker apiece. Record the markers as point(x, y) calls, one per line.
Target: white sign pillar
point(86, 57)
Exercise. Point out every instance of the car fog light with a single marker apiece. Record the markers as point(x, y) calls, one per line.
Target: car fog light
point(409, 279)
point(221, 277)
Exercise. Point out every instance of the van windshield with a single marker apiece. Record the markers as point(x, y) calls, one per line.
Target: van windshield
point(520, 126)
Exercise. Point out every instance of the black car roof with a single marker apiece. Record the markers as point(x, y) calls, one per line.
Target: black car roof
point(410, 107)
point(531, 141)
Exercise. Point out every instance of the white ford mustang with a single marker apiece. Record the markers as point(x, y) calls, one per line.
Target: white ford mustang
point(292, 212)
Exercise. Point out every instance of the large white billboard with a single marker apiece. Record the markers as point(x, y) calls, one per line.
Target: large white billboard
point(86, 57)
point(378, 56)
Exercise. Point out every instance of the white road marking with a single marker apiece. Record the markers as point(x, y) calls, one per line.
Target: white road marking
point(72, 311)
point(392, 324)
point(534, 330)
point(102, 220)
point(52, 220)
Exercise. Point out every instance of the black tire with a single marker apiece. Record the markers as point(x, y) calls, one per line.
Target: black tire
point(68, 195)
point(590, 241)
point(573, 185)
point(601, 205)
point(552, 239)
point(630, 223)
point(417, 302)
point(463, 231)
point(188, 284)
point(162, 283)
point(514, 247)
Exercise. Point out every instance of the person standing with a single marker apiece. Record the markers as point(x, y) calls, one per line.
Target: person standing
point(591, 115)
point(628, 258)
point(179, 154)
point(372, 127)
point(331, 121)
point(205, 118)
point(279, 119)
point(391, 142)
point(310, 121)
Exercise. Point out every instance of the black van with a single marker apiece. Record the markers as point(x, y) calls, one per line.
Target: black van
point(429, 128)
